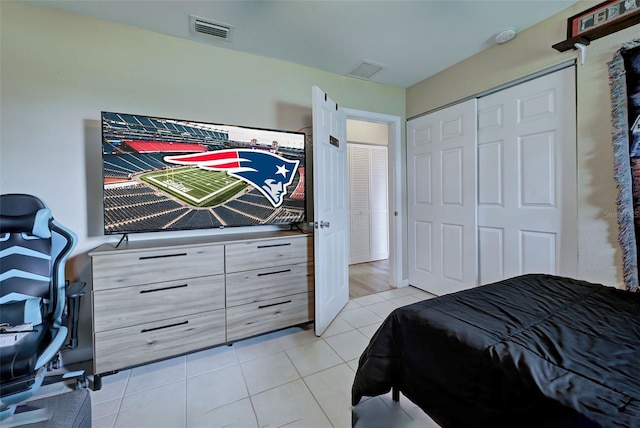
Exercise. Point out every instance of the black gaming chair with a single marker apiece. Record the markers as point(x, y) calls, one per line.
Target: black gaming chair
point(34, 297)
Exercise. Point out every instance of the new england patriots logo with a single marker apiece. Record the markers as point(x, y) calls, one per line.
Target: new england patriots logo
point(267, 172)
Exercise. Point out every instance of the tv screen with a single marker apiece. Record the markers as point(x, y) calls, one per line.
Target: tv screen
point(165, 174)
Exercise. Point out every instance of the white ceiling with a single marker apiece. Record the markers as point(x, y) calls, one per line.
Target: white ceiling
point(412, 39)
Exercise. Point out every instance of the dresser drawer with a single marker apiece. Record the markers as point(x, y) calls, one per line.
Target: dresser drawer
point(122, 307)
point(263, 284)
point(131, 346)
point(242, 256)
point(255, 318)
point(143, 267)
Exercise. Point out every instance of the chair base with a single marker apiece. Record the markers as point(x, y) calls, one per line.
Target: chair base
point(23, 415)
point(9, 403)
point(20, 402)
point(67, 410)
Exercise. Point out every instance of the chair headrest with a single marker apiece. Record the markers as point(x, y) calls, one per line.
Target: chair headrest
point(36, 224)
point(22, 213)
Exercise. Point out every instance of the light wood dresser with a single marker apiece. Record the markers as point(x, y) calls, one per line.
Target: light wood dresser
point(161, 298)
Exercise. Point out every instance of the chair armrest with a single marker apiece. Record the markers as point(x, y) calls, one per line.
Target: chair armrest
point(74, 292)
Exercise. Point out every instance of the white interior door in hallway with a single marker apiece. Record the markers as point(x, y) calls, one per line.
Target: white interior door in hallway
point(527, 208)
point(441, 185)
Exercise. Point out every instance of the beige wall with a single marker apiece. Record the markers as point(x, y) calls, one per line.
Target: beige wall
point(599, 255)
point(60, 70)
point(360, 131)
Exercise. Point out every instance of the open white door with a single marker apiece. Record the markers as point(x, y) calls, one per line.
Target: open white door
point(331, 235)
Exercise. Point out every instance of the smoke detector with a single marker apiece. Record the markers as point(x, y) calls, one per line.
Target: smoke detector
point(506, 35)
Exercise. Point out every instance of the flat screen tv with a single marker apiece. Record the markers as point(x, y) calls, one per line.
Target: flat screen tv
point(165, 174)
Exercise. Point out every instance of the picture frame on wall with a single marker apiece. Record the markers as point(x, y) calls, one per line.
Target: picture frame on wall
point(601, 16)
point(598, 21)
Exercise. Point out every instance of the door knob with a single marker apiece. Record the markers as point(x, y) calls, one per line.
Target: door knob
point(324, 224)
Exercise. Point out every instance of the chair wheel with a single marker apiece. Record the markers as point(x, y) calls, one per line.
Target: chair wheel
point(82, 383)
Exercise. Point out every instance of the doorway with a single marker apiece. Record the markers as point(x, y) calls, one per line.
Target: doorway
point(368, 278)
point(369, 182)
point(331, 240)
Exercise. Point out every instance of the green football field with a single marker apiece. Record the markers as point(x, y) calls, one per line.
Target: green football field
point(195, 186)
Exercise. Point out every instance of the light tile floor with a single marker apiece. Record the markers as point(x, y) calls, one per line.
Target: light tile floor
point(289, 378)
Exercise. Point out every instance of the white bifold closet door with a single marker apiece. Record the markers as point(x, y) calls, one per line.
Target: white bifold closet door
point(522, 206)
point(368, 202)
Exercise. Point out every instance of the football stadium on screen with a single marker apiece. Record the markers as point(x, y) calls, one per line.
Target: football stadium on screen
point(145, 191)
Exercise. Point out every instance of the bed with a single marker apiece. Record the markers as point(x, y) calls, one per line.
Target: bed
point(535, 350)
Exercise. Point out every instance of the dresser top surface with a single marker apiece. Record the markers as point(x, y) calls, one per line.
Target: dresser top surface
point(151, 244)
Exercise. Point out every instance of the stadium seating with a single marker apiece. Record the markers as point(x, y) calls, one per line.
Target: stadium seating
point(197, 219)
point(250, 209)
point(230, 216)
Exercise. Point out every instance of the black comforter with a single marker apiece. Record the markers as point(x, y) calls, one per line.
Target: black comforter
point(535, 350)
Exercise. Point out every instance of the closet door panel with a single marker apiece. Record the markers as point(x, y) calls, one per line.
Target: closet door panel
point(491, 254)
point(379, 202)
point(369, 212)
point(490, 191)
point(358, 167)
point(422, 249)
point(537, 170)
point(537, 252)
point(527, 179)
point(441, 168)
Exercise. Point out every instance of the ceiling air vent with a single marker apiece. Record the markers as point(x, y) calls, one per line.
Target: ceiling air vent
point(210, 28)
point(365, 69)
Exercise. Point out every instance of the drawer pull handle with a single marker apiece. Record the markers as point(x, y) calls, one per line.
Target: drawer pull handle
point(274, 245)
point(162, 256)
point(163, 288)
point(273, 304)
point(274, 273)
point(146, 330)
